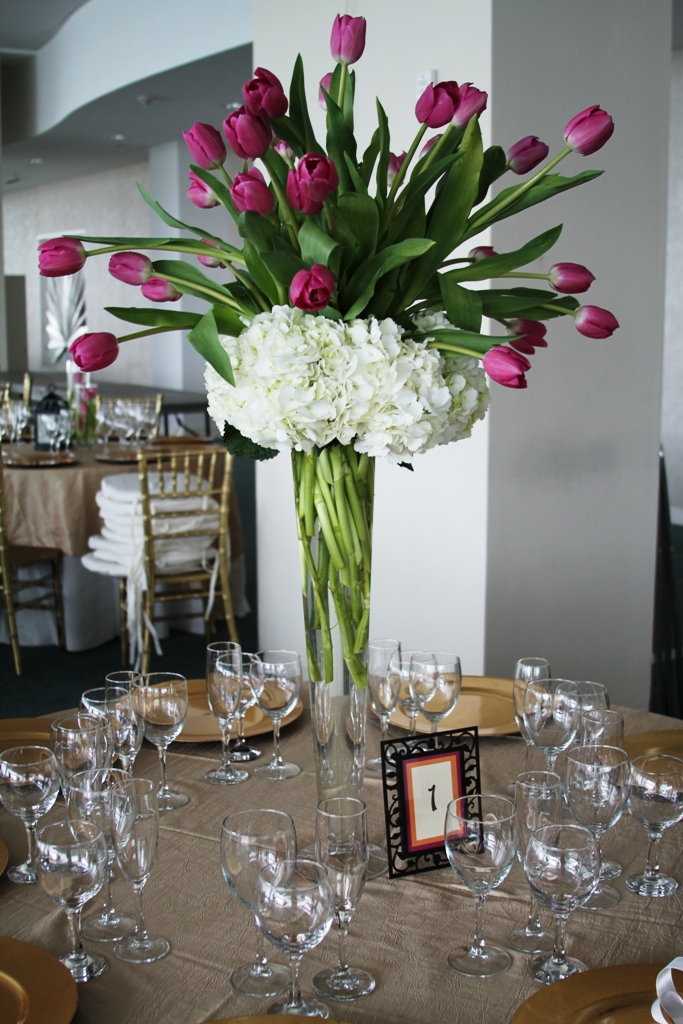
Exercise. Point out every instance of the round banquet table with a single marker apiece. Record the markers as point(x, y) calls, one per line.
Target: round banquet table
point(402, 931)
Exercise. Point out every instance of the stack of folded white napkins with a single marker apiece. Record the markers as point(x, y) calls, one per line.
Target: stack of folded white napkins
point(668, 998)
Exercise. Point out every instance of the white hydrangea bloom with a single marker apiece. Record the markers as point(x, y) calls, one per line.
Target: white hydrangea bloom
point(303, 381)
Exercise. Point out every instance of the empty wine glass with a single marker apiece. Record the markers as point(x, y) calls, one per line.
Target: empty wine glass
point(126, 724)
point(656, 801)
point(241, 749)
point(223, 689)
point(481, 836)
point(594, 696)
point(276, 683)
point(538, 797)
point(435, 684)
point(162, 702)
point(552, 710)
point(562, 865)
point(94, 702)
point(251, 840)
point(294, 906)
point(604, 727)
point(526, 670)
point(71, 861)
point(29, 785)
point(596, 783)
point(399, 669)
point(80, 741)
point(383, 688)
point(135, 827)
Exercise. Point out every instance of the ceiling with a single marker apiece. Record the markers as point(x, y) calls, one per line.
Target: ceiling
point(26, 25)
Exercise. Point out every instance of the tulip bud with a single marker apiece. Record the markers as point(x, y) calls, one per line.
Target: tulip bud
point(347, 41)
point(159, 290)
point(311, 289)
point(264, 95)
point(472, 101)
point(526, 154)
point(311, 182)
point(94, 351)
point(437, 104)
point(206, 146)
point(250, 192)
point(481, 252)
point(589, 130)
point(594, 322)
point(59, 257)
point(210, 261)
point(428, 145)
point(130, 267)
point(325, 83)
point(249, 136)
point(200, 194)
point(570, 278)
point(532, 335)
point(285, 152)
point(506, 367)
point(395, 164)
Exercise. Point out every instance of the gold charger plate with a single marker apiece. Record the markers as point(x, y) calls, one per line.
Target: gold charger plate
point(39, 460)
point(484, 701)
point(201, 727)
point(4, 857)
point(35, 988)
point(15, 732)
point(608, 995)
point(659, 741)
point(263, 1018)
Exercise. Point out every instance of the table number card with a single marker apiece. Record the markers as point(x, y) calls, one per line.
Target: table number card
point(421, 775)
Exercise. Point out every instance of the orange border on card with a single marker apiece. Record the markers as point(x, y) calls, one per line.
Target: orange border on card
point(455, 757)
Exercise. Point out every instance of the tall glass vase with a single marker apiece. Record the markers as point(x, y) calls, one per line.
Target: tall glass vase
point(334, 494)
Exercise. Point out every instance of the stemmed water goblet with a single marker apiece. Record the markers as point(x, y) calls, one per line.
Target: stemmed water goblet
point(383, 688)
point(162, 702)
point(603, 727)
point(294, 907)
point(276, 683)
point(251, 840)
point(71, 861)
point(481, 837)
point(19, 417)
point(223, 689)
point(241, 749)
point(593, 696)
point(80, 741)
point(656, 801)
point(562, 866)
point(399, 669)
point(527, 670)
point(29, 785)
point(538, 798)
point(127, 725)
point(435, 681)
point(552, 710)
point(135, 828)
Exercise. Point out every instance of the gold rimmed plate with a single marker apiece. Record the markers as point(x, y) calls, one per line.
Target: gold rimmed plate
point(15, 732)
point(263, 1018)
point(4, 857)
point(484, 701)
point(659, 741)
point(201, 727)
point(35, 988)
point(39, 460)
point(608, 995)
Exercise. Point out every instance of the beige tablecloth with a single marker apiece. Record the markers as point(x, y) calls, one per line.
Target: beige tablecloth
point(402, 931)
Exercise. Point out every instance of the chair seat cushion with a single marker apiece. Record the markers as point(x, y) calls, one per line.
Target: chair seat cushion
point(19, 555)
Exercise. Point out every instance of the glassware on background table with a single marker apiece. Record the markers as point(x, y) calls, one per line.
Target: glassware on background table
point(383, 689)
point(29, 786)
point(71, 861)
point(341, 846)
point(162, 702)
point(19, 418)
point(552, 711)
point(596, 784)
point(656, 801)
point(294, 906)
point(135, 828)
point(276, 677)
point(481, 836)
point(602, 726)
point(435, 685)
point(538, 798)
point(224, 689)
point(562, 866)
point(80, 741)
point(399, 669)
point(526, 670)
point(241, 749)
point(89, 799)
point(251, 840)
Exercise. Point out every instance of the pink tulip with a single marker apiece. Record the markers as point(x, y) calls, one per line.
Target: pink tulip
point(311, 182)
point(59, 257)
point(264, 95)
point(159, 290)
point(249, 136)
point(210, 261)
point(130, 267)
point(526, 154)
point(481, 252)
point(325, 83)
point(311, 289)
point(395, 164)
point(285, 152)
point(250, 192)
point(532, 335)
point(506, 367)
point(200, 194)
point(594, 322)
point(437, 104)
point(570, 278)
point(206, 145)
point(428, 145)
point(472, 101)
point(94, 351)
point(347, 41)
point(589, 130)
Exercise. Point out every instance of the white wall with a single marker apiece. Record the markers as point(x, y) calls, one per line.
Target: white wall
point(672, 393)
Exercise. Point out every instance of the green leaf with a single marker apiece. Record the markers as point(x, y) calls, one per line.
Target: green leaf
point(259, 230)
point(283, 266)
point(513, 302)
point(446, 148)
point(316, 245)
point(494, 165)
point(356, 180)
point(412, 200)
point(479, 344)
point(463, 306)
point(369, 157)
point(219, 187)
point(171, 318)
point(237, 444)
point(357, 226)
point(172, 221)
point(260, 274)
point(384, 153)
point(340, 143)
point(494, 266)
point(298, 108)
point(227, 320)
point(204, 339)
point(190, 280)
point(362, 284)
point(286, 130)
point(133, 243)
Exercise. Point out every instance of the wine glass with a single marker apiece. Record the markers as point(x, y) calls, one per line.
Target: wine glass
point(527, 670)
point(481, 836)
point(383, 688)
point(80, 741)
point(435, 682)
point(596, 783)
point(251, 840)
point(94, 702)
point(594, 696)
point(71, 861)
point(89, 799)
point(341, 846)
point(276, 683)
point(552, 710)
point(162, 702)
point(562, 866)
point(29, 785)
point(126, 724)
point(538, 797)
point(294, 906)
point(50, 422)
point(241, 749)
point(399, 669)
point(223, 689)
point(604, 727)
point(656, 801)
point(135, 827)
